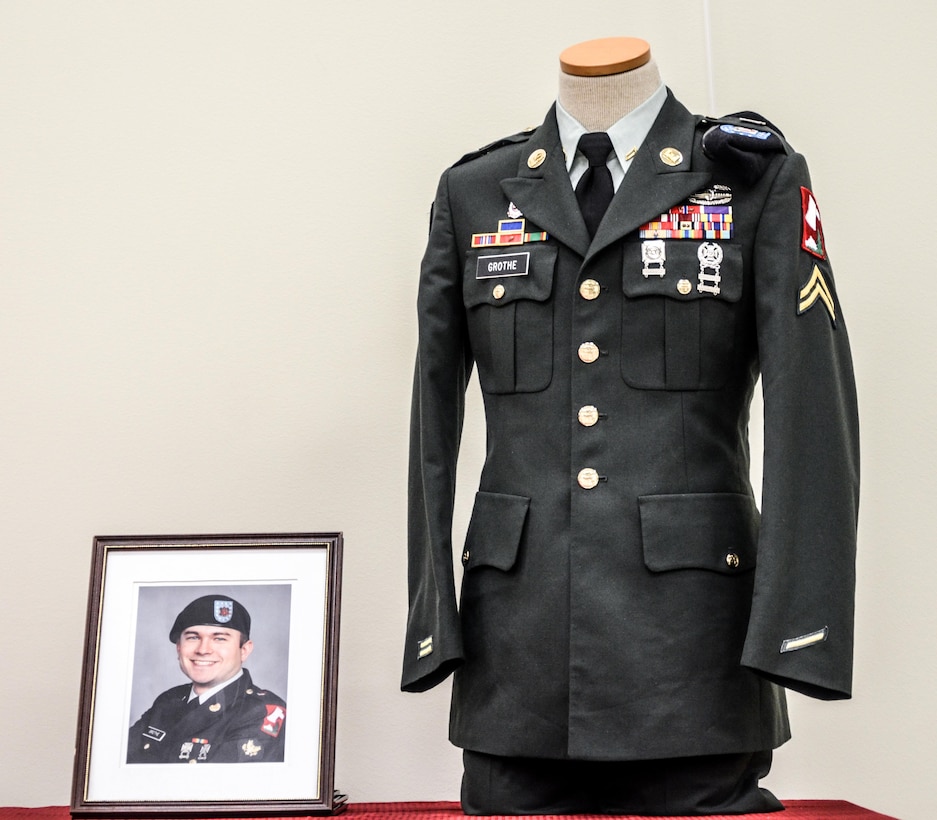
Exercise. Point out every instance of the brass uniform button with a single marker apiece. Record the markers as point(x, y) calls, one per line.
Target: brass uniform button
point(588, 478)
point(535, 160)
point(588, 415)
point(732, 560)
point(590, 289)
point(588, 352)
point(671, 157)
point(684, 286)
point(498, 292)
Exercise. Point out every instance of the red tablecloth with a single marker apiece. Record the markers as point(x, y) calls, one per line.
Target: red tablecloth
point(794, 810)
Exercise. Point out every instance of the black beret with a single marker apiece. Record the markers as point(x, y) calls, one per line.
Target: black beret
point(212, 610)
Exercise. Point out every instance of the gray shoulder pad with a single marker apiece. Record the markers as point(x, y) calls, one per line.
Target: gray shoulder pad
point(520, 136)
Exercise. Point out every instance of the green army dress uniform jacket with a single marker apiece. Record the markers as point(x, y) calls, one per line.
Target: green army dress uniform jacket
point(623, 598)
point(240, 723)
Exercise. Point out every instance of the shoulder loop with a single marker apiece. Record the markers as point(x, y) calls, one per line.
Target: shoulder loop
point(520, 136)
point(744, 140)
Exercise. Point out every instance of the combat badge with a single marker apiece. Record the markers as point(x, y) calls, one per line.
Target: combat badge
point(812, 241)
point(715, 195)
point(816, 289)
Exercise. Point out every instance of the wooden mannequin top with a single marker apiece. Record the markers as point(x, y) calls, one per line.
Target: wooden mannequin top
point(603, 80)
point(609, 55)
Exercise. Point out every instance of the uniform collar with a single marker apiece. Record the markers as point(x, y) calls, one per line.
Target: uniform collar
point(626, 134)
point(214, 690)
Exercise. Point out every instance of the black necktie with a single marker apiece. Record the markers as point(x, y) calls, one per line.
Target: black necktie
point(594, 191)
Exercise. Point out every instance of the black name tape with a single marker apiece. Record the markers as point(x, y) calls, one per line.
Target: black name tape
point(503, 264)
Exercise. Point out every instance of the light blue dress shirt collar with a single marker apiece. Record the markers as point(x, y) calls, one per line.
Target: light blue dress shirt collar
point(627, 135)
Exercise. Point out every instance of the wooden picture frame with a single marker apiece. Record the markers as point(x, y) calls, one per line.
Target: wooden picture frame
point(280, 596)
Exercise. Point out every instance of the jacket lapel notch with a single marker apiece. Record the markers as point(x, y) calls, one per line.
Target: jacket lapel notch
point(543, 193)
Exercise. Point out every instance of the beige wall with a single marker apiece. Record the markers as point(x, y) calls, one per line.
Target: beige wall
point(211, 218)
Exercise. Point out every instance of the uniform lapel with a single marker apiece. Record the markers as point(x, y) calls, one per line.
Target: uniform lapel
point(651, 186)
point(543, 194)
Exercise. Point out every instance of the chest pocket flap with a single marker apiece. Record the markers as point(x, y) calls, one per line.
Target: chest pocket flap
point(498, 277)
point(657, 267)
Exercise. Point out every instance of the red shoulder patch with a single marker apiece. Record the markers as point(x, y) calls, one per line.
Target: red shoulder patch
point(812, 241)
point(273, 722)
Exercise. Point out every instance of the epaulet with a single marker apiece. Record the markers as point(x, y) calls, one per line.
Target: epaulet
point(745, 140)
point(520, 136)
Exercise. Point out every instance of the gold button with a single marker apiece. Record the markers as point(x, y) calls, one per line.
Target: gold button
point(732, 560)
point(588, 352)
point(498, 292)
point(588, 415)
point(671, 157)
point(684, 286)
point(590, 289)
point(588, 478)
point(465, 556)
point(535, 160)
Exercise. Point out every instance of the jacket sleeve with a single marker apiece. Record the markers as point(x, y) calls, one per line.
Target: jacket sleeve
point(800, 633)
point(443, 366)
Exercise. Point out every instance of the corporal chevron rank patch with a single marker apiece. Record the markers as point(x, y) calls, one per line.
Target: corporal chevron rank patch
point(815, 290)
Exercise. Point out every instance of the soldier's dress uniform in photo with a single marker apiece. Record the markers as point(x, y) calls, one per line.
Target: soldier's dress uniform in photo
point(240, 723)
point(624, 600)
point(231, 720)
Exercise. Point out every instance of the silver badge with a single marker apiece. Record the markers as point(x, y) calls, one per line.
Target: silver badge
point(710, 258)
point(185, 750)
point(653, 255)
point(513, 211)
point(716, 195)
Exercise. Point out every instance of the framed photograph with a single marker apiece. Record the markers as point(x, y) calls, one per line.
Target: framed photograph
point(219, 653)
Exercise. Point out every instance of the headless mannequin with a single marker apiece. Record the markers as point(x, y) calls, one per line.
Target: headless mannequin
point(603, 80)
point(600, 82)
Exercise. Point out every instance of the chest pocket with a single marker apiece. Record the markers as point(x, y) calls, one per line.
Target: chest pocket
point(510, 316)
point(679, 313)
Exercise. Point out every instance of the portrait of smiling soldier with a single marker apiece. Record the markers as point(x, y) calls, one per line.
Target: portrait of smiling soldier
point(221, 715)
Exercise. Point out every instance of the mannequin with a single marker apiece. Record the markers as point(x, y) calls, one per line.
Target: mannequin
point(603, 80)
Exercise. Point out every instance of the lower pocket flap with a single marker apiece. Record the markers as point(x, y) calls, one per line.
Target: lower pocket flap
point(495, 529)
point(710, 531)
